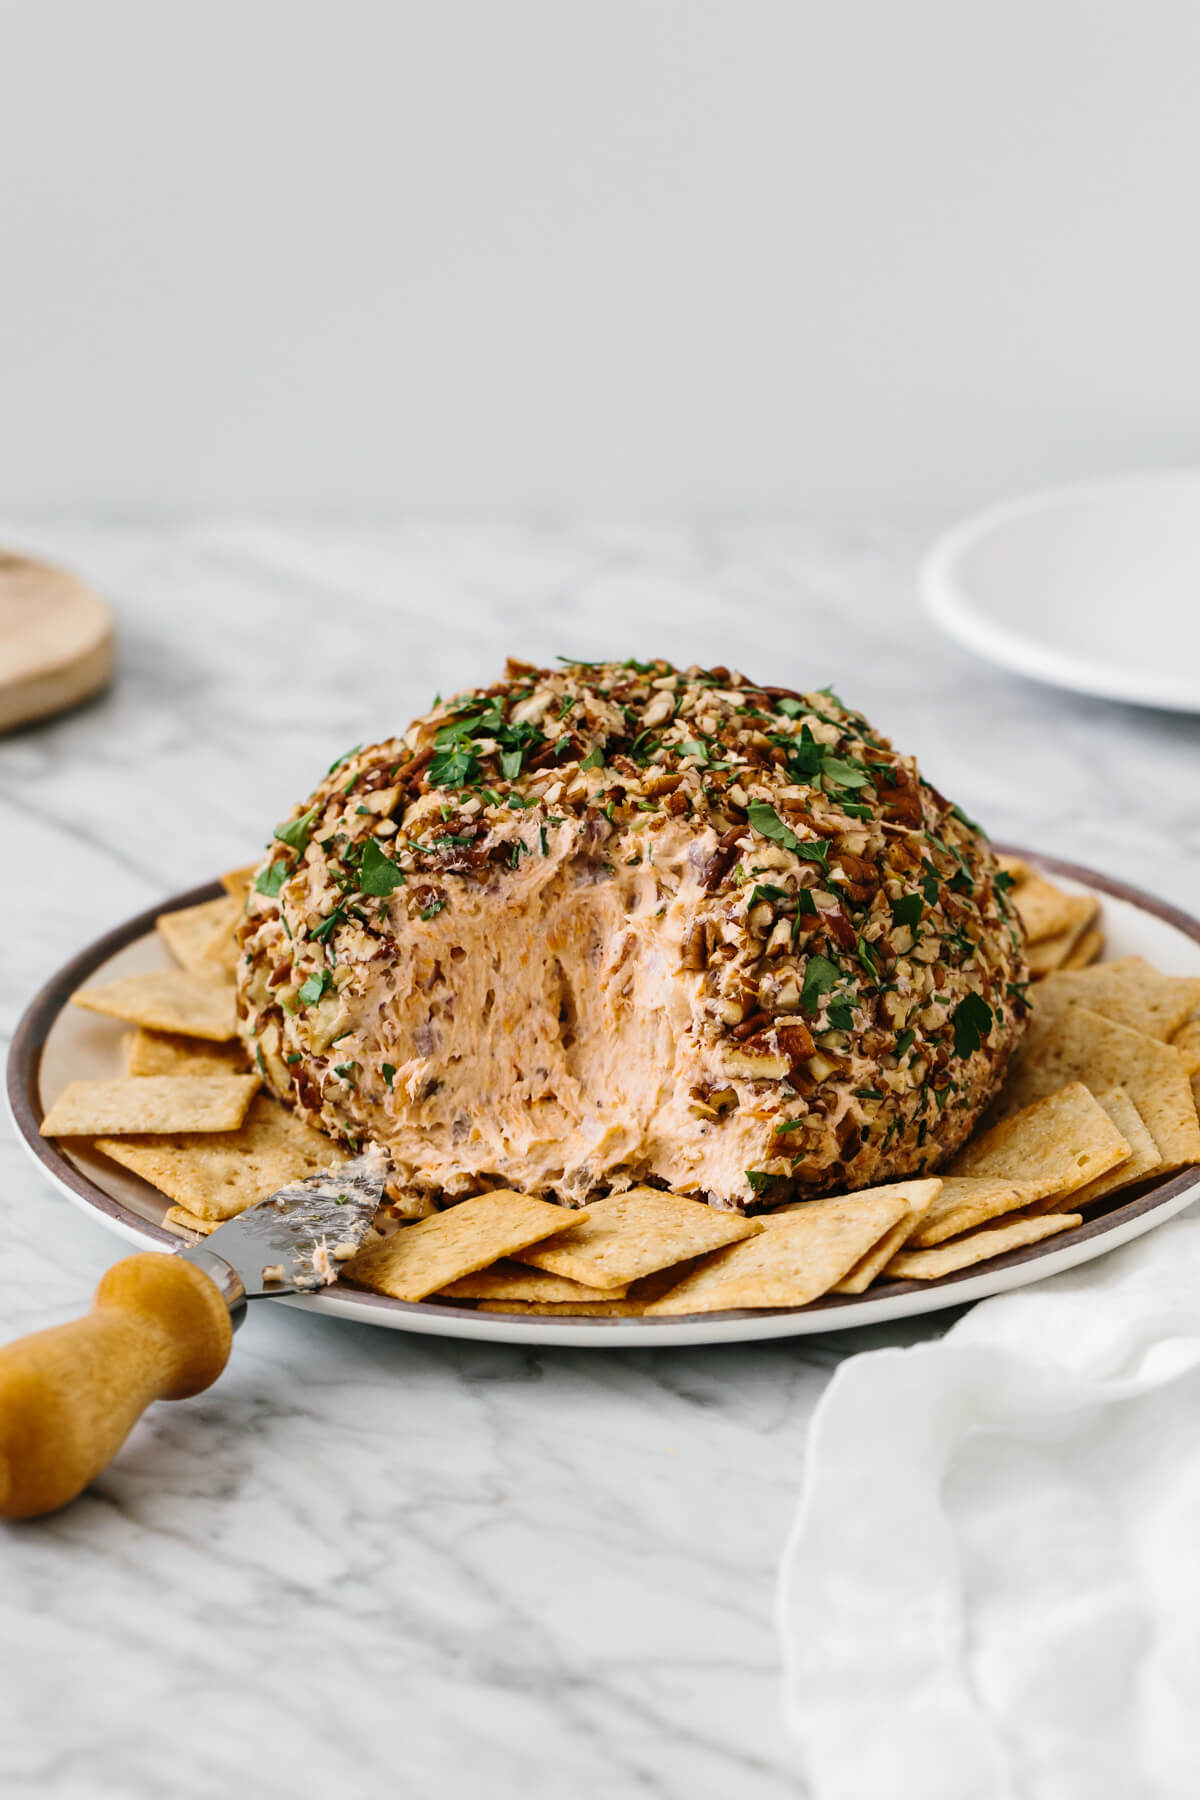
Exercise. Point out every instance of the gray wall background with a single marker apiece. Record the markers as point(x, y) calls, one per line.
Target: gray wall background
point(623, 255)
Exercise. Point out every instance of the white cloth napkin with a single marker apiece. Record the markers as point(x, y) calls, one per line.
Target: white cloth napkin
point(992, 1588)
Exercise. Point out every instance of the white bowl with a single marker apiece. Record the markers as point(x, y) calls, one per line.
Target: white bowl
point(1094, 587)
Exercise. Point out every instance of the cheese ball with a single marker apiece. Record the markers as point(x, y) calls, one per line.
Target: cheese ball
point(620, 922)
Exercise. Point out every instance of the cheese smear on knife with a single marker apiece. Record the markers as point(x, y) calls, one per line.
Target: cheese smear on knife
point(619, 922)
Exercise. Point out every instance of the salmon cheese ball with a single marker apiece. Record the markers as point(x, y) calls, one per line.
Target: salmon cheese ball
point(616, 923)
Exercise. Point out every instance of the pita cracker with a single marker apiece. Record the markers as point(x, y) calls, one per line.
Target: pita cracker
point(166, 1053)
point(917, 1197)
point(977, 1247)
point(216, 1177)
point(187, 1225)
point(168, 1000)
point(1063, 1139)
point(798, 1257)
point(1144, 1159)
point(191, 932)
point(1047, 912)
point(154, 1103)
point(1128, 991)
point(635, 1233)
point(1087, 949)
point(236, 881)
point(1083, 1046)
point(1187, 1041)
point(507, 1280)
point(968, 1201)
point(424, 1258)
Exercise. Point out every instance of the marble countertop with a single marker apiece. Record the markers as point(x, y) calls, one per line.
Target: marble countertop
point(402, 1564)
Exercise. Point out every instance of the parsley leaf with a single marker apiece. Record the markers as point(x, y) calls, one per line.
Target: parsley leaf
point(343, 758)
point(377, 873)
point(270, 880)
point(453, 768)
point(295, 833)
point(691, 747)
point(767, 822)
point(316, 985)
point(866, 957)
point(841, 1015)
point(820, 977)
point(433, 909)
point(792, 708)
point(904, 1043)
point(594, 759)
point(1003, 880)
point(510, 763)
point(908, 910)
point(972, 1020)
point(759, 1179)
point(389, 1075)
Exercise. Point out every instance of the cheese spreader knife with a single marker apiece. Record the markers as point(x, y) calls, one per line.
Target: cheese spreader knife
point(161, 1328)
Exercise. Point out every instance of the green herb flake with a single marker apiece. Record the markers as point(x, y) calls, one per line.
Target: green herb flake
point(269, 880)
point(317, 984)
point(841, 1015)
point(378, 875)
point(821, 976)
point(904, 1043)
point(453, 768)
point(972, 1020)
point(759, 1179)
point(389, 1075)
point(344, 758)
point(594, 759)
point(908, 910)
point(295, 833)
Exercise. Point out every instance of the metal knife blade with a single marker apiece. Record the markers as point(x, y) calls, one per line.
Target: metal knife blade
point(295, 1241)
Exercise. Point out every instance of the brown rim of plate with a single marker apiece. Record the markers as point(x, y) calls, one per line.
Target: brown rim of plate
point(24, 1064)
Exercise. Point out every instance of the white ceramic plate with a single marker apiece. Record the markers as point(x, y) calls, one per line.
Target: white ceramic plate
point(1095, 587)
point(56, 1043)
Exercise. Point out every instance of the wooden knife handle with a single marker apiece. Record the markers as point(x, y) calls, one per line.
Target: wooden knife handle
point(159, 1329)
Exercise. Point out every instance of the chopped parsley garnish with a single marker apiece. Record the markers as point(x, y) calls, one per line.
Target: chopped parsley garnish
point(433, 909)
point(904, 1043)
point(805, 902)
point(690, 747)
point(269, 880)
point(377, 873)
point(453, 768)
point(343, 758)
point(867, 1094)
point(820, 977)
point(295, 833)
point(330, 924)
point(759, 1179)
point(969, 823)
point(594, 759)
point(765, 891)
point(345, 1070)
point(792, 708)
point(510, 763)
point(908, 910)
point(767, 822)
point(841, 1015)
point(866, 957)
point(972, 1020)
point(790, 1125)
point(389, 1075)
point(317, 984)
point(843, 773)
point(1003, 880)
point(542, 839)
point(293, 1058)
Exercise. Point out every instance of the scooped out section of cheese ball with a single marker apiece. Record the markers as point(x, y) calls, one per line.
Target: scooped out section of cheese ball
point(622, 922)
